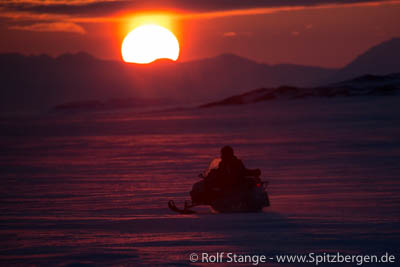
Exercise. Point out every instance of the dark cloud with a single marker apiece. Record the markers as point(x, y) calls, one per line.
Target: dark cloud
point(51, 27)
point(104, 7)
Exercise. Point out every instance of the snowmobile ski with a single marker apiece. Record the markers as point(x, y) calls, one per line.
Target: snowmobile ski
point(173, 207)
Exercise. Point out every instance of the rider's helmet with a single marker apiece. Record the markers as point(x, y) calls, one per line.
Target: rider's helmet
point(226, 152)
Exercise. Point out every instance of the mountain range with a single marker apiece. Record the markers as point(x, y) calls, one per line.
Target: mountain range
point(34, 82)
point(367, 85)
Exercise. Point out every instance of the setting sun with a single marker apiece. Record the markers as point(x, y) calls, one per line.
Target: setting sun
point(148, 43)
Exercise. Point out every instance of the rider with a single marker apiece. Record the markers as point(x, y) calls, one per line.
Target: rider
point(225, 174)
point(231, 171)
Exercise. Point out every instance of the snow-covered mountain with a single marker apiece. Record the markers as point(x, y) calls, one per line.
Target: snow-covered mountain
point(31, 82)
point(381, 59)
point(43, 81)
point(361, 86)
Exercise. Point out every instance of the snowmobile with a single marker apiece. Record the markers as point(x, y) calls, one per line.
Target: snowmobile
point(251, 196)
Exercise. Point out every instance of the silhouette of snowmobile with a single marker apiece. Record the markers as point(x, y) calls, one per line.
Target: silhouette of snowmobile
point(250, 196)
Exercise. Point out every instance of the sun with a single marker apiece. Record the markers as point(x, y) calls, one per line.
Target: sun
point(149, 42)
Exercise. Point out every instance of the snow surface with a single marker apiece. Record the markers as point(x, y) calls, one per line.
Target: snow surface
point(91, 189)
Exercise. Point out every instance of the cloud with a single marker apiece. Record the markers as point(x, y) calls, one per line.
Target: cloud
point(62, 15)
point(107, 7)
point(51, 27)
point(230, 34)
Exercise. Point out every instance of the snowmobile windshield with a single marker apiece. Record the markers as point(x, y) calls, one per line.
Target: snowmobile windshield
point(212, 166)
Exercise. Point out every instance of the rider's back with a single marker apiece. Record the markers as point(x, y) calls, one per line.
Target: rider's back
point(230, 172)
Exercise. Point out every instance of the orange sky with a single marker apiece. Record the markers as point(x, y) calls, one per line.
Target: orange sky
point(330, 35)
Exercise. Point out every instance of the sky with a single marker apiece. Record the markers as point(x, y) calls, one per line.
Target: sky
point(309, 32)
